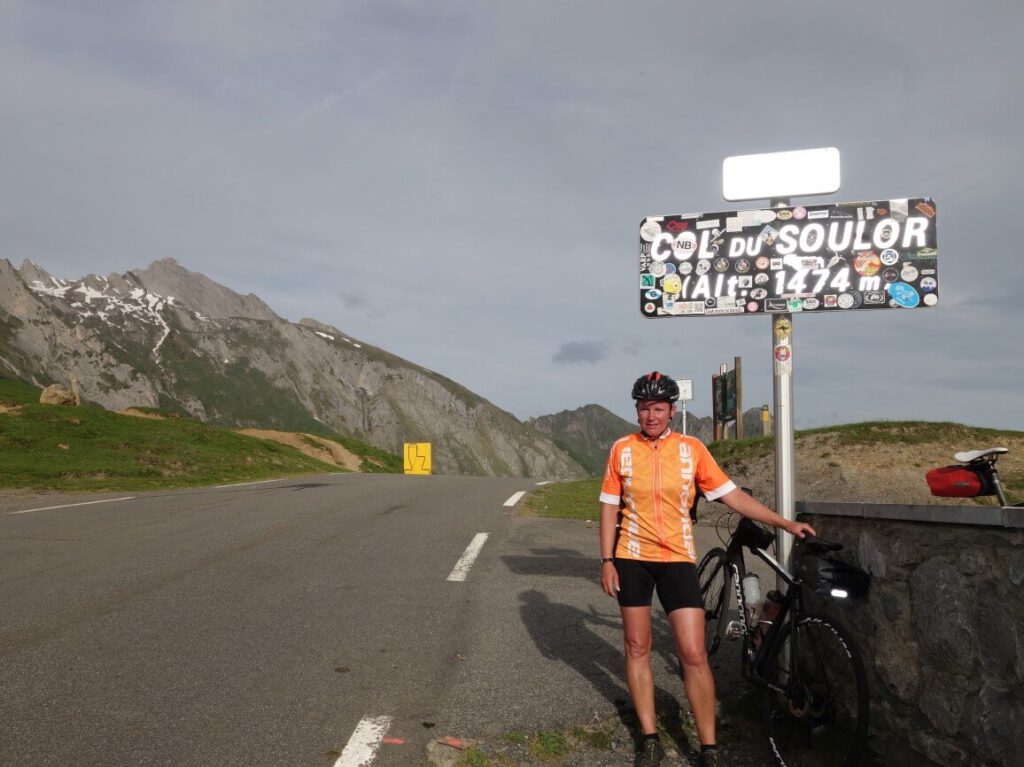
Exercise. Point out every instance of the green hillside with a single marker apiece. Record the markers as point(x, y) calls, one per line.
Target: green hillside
point(89, 448)
point(895, 454)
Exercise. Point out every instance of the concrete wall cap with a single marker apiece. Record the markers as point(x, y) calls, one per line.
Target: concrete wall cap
point(983, 516)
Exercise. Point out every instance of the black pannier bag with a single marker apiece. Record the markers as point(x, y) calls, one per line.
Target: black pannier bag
point(827, 575)
point(959, 482)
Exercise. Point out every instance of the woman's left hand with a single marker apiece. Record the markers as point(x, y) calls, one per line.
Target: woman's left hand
point(609, 579)
point(799, 529)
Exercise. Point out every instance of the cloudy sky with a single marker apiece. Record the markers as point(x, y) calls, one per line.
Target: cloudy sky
point(462, 183)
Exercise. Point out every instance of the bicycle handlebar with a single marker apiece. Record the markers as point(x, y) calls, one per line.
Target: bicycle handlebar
point(817, 545)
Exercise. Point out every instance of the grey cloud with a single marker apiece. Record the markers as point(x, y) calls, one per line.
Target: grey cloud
point(361, 302)
point(580, 353)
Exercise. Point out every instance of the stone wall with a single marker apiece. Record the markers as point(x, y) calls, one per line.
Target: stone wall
point(942, 630)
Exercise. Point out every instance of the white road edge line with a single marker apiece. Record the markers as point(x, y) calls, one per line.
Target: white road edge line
point(243, 484)
point(362, 746)
point(69, 505)
point(545, 482)
point(469, 556)
point(514, 498)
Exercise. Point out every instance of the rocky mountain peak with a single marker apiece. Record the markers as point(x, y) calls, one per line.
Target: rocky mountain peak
point(199, 293)
point(32, 272)
point(323, 327)
point(586, 433)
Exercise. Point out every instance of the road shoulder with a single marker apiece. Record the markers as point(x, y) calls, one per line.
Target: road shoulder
point(563, 698)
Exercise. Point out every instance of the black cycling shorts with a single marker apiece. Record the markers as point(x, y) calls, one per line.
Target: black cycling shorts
point(676, 582)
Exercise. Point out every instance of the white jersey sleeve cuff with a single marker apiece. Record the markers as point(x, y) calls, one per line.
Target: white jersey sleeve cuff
point(609, 498)
point(718, 492)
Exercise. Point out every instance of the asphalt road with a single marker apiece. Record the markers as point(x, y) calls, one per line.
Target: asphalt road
point(272, 624)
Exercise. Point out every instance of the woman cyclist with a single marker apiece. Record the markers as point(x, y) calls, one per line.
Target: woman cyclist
point(647, 544)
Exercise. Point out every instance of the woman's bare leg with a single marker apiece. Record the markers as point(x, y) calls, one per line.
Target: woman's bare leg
point(688, 627)
point(636, 626)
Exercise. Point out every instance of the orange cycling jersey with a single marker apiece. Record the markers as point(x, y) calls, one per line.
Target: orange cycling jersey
point(655, 482)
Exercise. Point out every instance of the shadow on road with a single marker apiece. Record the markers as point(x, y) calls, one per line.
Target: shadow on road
point(566, 633)
point(555, 562)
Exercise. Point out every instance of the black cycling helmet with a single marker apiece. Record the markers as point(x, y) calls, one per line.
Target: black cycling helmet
point(656, 386)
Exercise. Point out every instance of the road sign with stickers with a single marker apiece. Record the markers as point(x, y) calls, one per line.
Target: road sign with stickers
point(814, 258)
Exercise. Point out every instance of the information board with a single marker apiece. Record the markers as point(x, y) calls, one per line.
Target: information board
point(724, 392)
point(804, 258)
point(685, 389)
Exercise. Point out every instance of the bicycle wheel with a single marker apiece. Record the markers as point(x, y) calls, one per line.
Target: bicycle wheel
point(713, 574)
point(820, 716)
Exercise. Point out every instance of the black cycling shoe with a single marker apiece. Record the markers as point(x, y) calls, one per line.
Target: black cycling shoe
point(651, 753)
point(709, 759)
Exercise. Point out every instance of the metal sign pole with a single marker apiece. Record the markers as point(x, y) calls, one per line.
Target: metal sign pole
point(685, 395)
point(785, 463)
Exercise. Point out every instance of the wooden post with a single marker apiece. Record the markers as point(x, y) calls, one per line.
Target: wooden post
point(723, 376)
point(738, 363)
point(714, 412)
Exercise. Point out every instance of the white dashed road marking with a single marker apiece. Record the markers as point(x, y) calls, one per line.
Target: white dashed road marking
point(362, 746)
point(514, 498)
point(69, 505)
point(243, 484)
point(465, 562)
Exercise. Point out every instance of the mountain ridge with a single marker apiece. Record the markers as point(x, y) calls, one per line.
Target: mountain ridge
point(588, 432)
point(167, 337)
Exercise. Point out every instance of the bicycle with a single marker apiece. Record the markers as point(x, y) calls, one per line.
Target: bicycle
point(815, 708)
point(975, 475)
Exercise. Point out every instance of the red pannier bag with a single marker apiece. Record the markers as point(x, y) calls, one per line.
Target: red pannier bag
point(957, 482)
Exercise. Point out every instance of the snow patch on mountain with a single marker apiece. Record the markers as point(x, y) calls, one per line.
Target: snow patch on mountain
point(109, 305)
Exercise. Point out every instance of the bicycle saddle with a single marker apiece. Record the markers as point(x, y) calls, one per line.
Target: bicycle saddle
point(973, 455)
point(818, 546)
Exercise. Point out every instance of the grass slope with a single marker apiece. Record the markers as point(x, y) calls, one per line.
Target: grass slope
point(89, 448)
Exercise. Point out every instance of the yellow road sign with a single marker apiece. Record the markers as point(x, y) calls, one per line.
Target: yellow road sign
point(417, 457)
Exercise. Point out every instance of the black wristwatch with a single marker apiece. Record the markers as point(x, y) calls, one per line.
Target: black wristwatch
point(607, 559)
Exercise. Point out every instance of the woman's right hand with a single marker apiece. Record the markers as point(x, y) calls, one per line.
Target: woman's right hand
point(609, 579)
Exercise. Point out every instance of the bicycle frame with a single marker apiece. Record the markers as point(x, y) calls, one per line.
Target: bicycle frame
point(993, 473)
point(796, 659)
point(792, 603)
